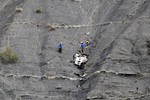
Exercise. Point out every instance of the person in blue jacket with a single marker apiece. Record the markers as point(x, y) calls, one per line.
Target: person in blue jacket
point(82, 46)
point(60, 47)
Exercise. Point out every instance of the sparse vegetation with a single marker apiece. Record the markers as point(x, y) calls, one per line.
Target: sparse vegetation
point(8, 56)
point(38, 11)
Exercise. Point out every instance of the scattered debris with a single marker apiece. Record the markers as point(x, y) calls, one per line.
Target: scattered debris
point(59, 87)
point(81, 75)
point(44, 77)
point(18, 10)
point(80, 59)
point(38, 11)
point(51, 28)
point(88, 33)
point(26, 76)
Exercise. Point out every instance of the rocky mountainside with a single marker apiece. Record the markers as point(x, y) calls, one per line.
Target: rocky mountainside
point(118, 66)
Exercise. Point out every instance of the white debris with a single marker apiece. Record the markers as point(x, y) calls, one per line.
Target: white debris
point(80, 59)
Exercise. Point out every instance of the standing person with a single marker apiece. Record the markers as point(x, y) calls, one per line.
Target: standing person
point(82, 46)
point(60, 47)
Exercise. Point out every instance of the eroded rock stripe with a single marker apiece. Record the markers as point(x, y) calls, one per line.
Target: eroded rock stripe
point(57, 26)
point(40, 77)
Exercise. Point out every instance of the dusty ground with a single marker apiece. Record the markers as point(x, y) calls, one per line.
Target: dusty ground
point(119, 63)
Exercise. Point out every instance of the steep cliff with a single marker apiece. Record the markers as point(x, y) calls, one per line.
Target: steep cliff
point(119, 53)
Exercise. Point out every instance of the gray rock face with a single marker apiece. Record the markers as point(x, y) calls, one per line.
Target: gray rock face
point(119, 50)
